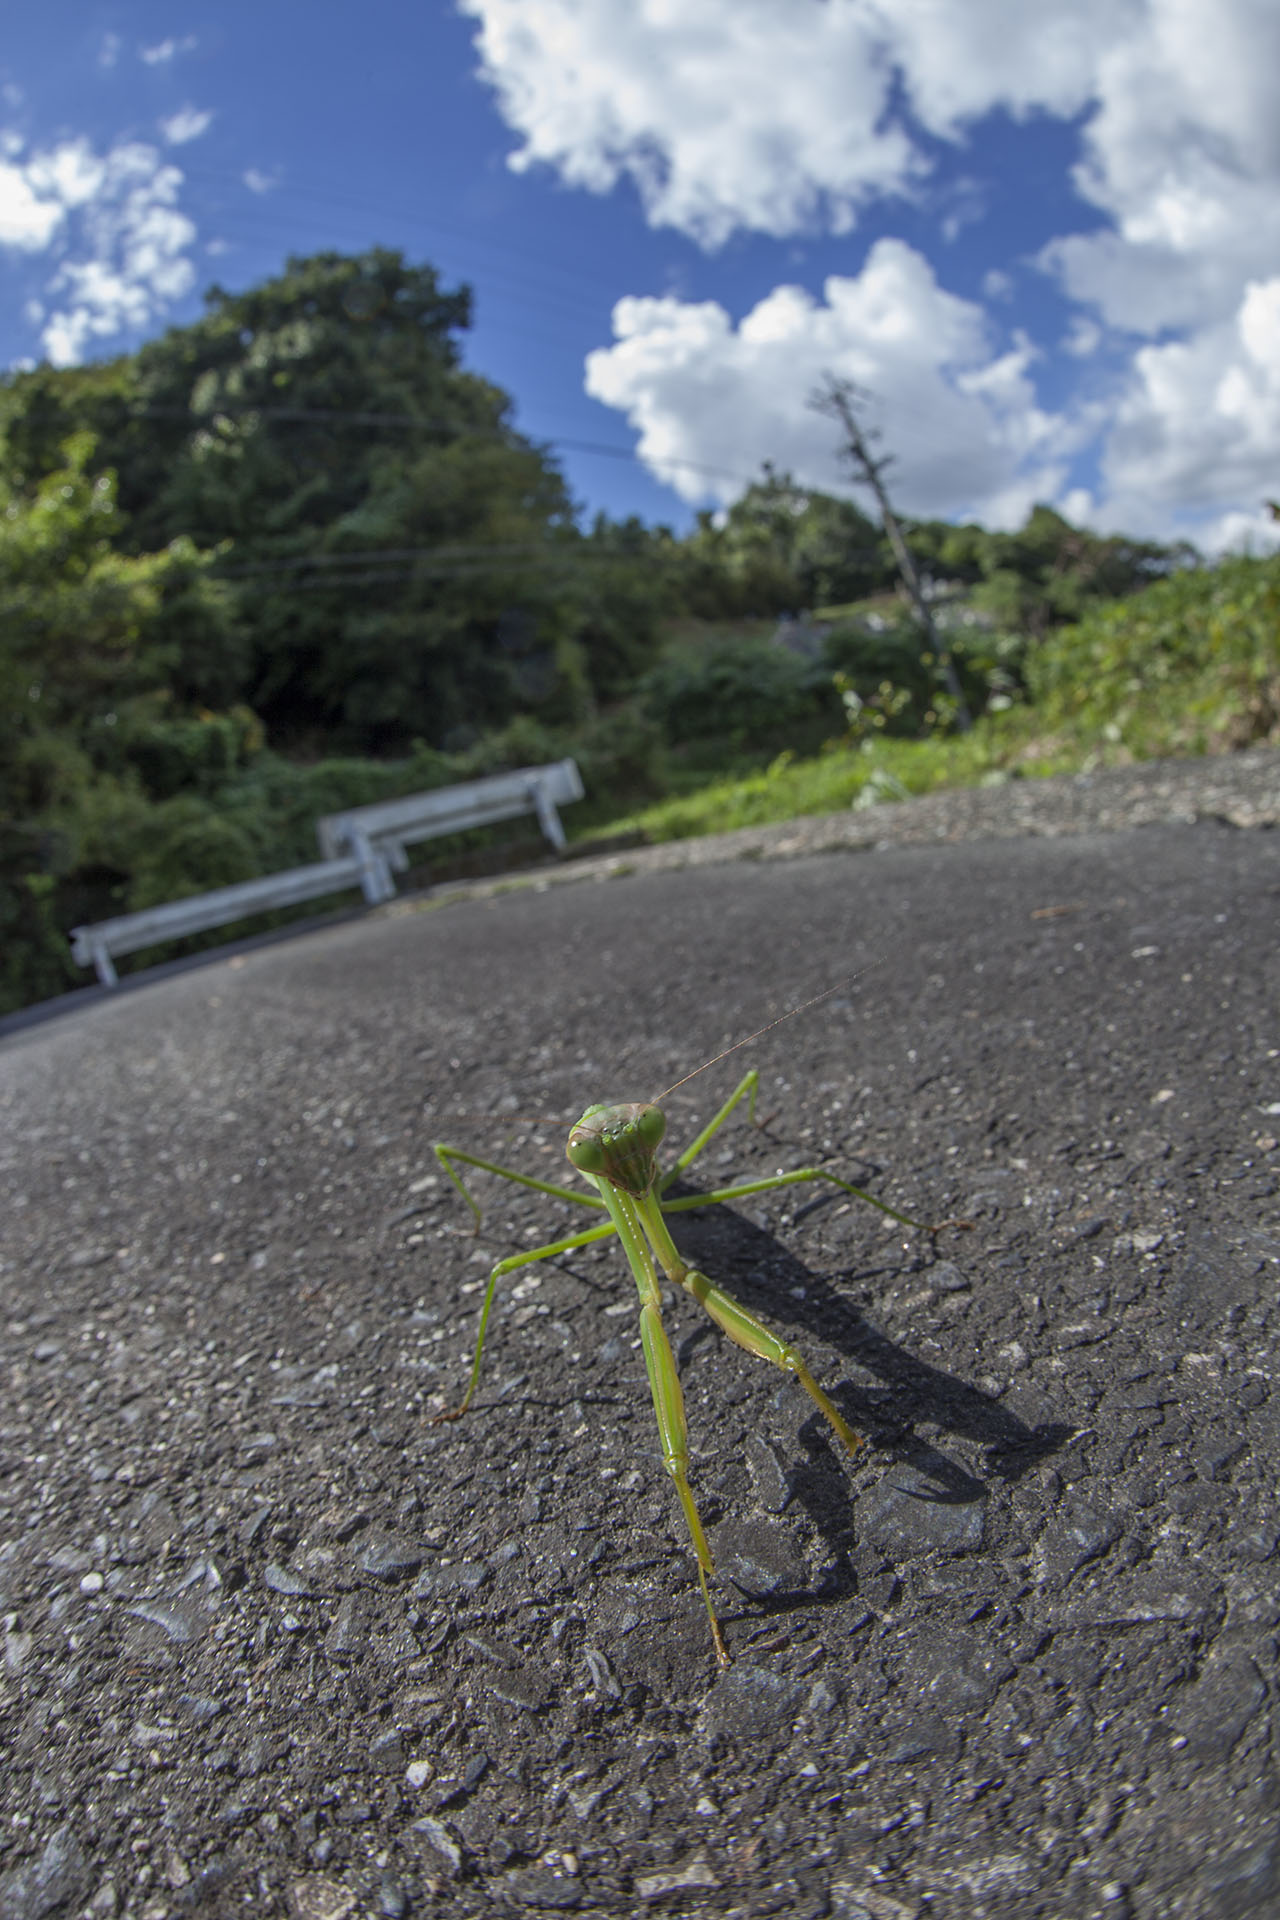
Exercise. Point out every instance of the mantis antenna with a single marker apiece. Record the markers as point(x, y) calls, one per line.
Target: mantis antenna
point(768, 1027)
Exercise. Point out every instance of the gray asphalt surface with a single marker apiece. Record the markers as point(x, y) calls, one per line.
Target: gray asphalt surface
point(273, 1643)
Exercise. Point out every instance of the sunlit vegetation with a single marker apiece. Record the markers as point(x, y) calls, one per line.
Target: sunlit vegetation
point(295, 557)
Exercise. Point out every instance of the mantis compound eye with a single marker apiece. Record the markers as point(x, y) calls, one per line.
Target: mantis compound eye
point(651, 1124)
point(586, 1152)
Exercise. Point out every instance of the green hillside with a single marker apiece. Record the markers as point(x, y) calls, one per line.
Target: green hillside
point(295, 557)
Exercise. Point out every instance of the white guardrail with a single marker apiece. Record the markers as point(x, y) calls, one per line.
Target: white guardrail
point(388, 826)
point(361, 846)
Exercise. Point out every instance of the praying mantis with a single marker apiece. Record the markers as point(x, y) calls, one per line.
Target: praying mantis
point(615, 1148)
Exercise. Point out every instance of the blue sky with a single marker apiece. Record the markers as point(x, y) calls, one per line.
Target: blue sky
point(1046, 239)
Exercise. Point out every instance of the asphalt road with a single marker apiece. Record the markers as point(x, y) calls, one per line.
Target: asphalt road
point(275, 1644)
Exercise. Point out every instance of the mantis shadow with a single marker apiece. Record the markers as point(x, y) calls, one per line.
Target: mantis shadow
point(737, 1252)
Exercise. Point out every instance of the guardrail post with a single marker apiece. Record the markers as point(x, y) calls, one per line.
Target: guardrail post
point(102, 962)
point(548, 817)
point(375, 875)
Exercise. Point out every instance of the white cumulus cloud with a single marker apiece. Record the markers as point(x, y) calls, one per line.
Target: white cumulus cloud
point(1183, 154)
point(776, 114)
point(36, 193)
point(724, 113)
point(1199, 427)
point(784, 116)
point(119, 242)
point(188, 123)
point(28, 218)
point(962, 422)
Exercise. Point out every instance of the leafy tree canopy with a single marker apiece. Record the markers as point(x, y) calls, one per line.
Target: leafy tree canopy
point(781, 547)
point(383, 528)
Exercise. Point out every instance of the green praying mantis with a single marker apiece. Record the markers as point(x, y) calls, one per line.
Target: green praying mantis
point(615, 1147)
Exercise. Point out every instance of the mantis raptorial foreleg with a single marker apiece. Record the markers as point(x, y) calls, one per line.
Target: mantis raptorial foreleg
point(447, 1155)
point(668, 1405)
point(747, 1089)
point(664, 1384)
point(741, 1326)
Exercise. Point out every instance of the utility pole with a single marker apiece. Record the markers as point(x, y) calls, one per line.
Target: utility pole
point(839, 399)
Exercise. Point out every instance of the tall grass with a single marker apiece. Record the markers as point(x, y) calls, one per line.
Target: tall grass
point(1189, 666)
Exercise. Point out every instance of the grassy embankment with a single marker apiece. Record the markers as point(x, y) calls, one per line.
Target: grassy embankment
point(1190, 666)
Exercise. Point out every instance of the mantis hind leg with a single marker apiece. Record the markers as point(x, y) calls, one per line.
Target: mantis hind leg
point(668, 1405)
point(751, 1334)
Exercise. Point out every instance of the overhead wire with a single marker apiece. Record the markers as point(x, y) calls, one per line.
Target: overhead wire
point(453, 562)
point(356, 417)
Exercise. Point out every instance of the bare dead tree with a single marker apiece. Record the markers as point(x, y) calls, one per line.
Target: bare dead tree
point(840, 399)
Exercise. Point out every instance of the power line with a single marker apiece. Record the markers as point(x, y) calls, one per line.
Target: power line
point(331, 201)
point(437, 560)
point(354, 417)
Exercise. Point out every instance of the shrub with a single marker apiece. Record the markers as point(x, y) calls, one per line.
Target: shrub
point(189, 848)
point(746, 691)
point(1191, 664)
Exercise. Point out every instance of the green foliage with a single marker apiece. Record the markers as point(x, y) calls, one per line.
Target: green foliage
point(742, 691)
point(891, 684)
point(1046, 573)
point(93, 644)
point(779, 548)
point(840, 776)
point(321, 425)
point(886, 680)
point(190, 848)
point(35, 963)
point(393, 551)
point(88, 635)
point(624, 585)
point(173, 752)
point(1192, 665)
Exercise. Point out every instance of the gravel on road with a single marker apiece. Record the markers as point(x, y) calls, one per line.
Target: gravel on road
point(273, 1643)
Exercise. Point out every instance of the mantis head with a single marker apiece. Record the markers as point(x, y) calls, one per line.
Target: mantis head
point(618, 1144)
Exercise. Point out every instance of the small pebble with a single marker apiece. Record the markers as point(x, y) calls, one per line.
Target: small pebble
point(392, 1899)
point(389, 1559)
point(285, 1580)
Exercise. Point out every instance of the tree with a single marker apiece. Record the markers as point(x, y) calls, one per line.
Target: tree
point(839, 400)
point(1050, 572)
point(398, 553)
point(95, 646)
point(390, 528)
point(91, 638)
point(779, 547)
